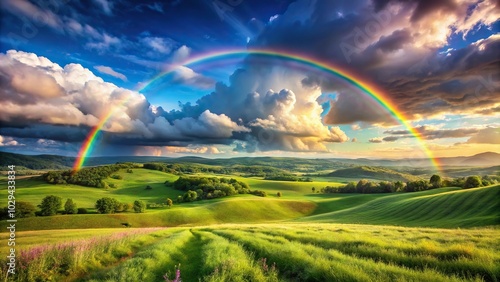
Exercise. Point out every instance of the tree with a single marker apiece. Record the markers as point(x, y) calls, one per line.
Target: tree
point(127, 207)
point(106, 205)
point(313, 189)
point(139, 206)
point(472, 182)
point(189, 196)
point(279, 194)
point(170, 203)
point(436, 181)
point(70, 207)
point(50, 205)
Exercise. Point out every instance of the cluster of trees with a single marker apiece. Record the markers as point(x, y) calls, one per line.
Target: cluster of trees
point(199, 188)
point(112, 205)
point(287, 177)
point(368, 187)
point(91, 176)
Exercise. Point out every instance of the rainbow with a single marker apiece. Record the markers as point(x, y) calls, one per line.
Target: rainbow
point(369, 89)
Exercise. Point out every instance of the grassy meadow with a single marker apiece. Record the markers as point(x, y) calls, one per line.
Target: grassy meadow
point(444, 234)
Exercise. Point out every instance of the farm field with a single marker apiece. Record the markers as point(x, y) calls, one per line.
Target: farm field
point(444, 234)
point(285, 252)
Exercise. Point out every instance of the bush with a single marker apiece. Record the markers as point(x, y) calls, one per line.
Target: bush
point(70, 207)
point(50, 205)
point(130, 170)
point(127, 207)
point(189, 196)
point(170, 203)
point(472, 182)
point(82, 211)
point(259, 193)
point(279, 194)
point(116, 176)
point(107, 205)
point(148, 187)
point(139, 206)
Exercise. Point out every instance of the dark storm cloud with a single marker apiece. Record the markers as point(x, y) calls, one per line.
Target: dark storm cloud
point(423, 7)
point(478, 135)
point(399, 55)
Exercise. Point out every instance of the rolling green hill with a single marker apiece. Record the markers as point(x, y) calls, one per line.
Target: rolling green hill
point(368, 172)
point(445, 207)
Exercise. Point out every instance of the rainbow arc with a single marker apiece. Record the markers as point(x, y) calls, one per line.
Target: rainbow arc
point(369, 89)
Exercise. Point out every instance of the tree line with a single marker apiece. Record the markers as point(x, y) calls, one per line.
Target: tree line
point(189, 168)
point(368, 187)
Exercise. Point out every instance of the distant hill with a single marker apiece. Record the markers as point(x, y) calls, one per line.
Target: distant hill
point(482, 159)
point(302, 165)
point(38, 162)
point(369, 172)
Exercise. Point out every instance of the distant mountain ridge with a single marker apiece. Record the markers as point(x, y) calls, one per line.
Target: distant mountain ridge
point(40, 162)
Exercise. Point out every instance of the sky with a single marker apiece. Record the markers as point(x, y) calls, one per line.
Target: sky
point(66, 64)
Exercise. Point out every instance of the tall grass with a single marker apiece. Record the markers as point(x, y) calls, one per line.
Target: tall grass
point(228, 261)
point(151, 263)
point(55, 262)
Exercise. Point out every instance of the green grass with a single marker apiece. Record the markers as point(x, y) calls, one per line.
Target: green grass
point(233, 210)
point(286, 252)
point(445, 207)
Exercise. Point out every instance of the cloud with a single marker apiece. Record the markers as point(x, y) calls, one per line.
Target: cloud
point(83, 99)
point(158, 45)
point(110, 71)
point(185, 75)
point(106, 6)
point(480, 135)
point(375, 140)
point(397, 45)
point(8, 141)
point(486, 136)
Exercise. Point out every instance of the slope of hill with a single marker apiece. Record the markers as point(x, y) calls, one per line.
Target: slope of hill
point(369, 172)
point(446, 207)
point(36, 162)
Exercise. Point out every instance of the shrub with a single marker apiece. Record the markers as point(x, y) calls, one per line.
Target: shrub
point(50, 205)
point(279, 194)
point(130, 170)
point(70, 207)
point(127, 207)
point(170, 203)
point(139, 206)
point(106, 205)
point(82, 211)
point(472, 182)
point(189, 196)
point(259, 193)
point(116, 176)
point(148, 187)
